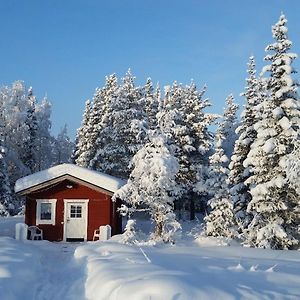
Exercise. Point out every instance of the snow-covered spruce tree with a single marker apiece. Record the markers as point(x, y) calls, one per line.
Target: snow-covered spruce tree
point(274, 205)
point(292, 161)
point(123, 130)
point(44, 139)
point(108, 95)
point(239, 191)
point(152, 186)
point(129, 235)
point(93, 128)
point(183, 120)
point(14, 105)
point(229, 126)
point(29, 155)
point(6, 200)
point(150, 102)
point(81, 141)
point(220, 222)
point(62, 147)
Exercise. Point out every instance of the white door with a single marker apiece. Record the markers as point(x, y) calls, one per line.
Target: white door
point(75, 219)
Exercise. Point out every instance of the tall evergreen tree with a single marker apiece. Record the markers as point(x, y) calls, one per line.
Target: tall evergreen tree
point(150, 102)
point(81, 141)
point(44, 139)
point(246, 134)
point(93, 127)
point(220, 221)
point(229, 125)
point(63, 147)
point(183, 120)
point(29, 156)
point(274, 205)
point(6, 200)
point(122, 130)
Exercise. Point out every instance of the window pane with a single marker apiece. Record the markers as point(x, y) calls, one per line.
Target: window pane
point(75, 211)
point(46, 211)
point(78, 211)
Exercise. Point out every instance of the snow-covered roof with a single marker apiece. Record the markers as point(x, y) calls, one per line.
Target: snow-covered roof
point(98, 179)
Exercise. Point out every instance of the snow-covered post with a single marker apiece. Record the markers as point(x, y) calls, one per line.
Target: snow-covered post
point(21, 231)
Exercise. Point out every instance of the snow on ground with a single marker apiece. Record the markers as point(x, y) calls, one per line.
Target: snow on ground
point(38, 269)
point(189, 271)
point(109, 270)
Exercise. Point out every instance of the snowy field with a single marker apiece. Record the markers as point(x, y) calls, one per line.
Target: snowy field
point(109, 270)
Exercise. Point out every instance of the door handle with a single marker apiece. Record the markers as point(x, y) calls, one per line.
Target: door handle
point(68, 220)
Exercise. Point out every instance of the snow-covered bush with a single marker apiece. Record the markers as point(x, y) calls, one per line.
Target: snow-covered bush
point(129, 235)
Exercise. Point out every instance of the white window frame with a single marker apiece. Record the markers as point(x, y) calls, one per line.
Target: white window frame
point(38, 211)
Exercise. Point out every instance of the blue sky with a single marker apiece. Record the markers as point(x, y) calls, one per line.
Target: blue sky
point(66, 48)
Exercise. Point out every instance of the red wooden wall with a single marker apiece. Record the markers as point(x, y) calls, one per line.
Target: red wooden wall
point(101, 210)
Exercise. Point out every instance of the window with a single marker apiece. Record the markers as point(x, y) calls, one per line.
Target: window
point(45, 211)
point(75, 211)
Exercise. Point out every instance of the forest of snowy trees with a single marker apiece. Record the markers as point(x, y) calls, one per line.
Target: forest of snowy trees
point(26, 143)
point(243, 177)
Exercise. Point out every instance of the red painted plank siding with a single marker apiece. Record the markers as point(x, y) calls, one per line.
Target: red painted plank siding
point(100, 209)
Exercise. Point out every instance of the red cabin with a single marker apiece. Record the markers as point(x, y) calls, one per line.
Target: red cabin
point(69, 202)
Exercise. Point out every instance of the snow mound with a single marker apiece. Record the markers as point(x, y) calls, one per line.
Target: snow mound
point(205, 241)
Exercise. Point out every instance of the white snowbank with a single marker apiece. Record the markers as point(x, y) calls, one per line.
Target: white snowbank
point(187, 271)
point(105, 181)
point(110, 270)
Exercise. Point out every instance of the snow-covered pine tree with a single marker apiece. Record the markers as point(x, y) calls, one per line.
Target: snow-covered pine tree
point(292, 161)
point(150, 102)
point(183, 120)
point(6, 200)
point(123, 130)
point(62, 147)
point(93, 128)
point(240, 192)
point(129, 235)
point(14, 105)
point(152, 186)
point(229, 125)
point(44, 139)
point(29, 155)
point(274, 205)
point(26, 133)
point(108, 95)
point(81, 141)
point(220, 222)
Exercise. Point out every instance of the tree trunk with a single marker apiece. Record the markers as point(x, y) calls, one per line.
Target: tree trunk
point(192, 208)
